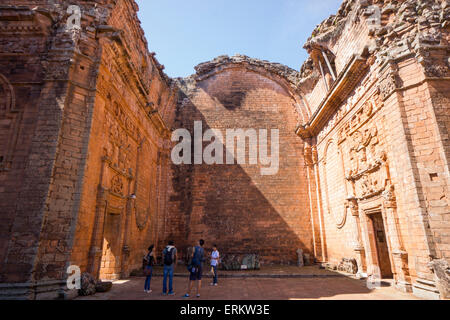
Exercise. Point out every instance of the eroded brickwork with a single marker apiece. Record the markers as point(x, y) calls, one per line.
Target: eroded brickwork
point(85, 121)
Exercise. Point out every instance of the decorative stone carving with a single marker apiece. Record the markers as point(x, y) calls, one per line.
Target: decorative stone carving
point(308, 155)
point(388, 84)
point(56, 70)
point(352, 204)
point(117, 185)
point(389, 197)
point(364, 114)
point(365, 161)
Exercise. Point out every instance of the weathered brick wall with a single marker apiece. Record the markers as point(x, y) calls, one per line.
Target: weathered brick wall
point(234, 205)
point(84, 98)
point(21, 82)
point(127, 156)
point(381, 132)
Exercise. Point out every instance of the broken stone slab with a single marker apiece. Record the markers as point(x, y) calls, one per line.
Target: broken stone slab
point(235, 262)
point(441, 270)
point(102, 286)
point(88, 285)
point(348, 265)
point(328, 266)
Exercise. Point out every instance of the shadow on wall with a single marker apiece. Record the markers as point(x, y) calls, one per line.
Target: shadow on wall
point(224, 205)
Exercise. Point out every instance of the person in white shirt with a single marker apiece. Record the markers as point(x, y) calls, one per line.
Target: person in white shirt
point(215, 256)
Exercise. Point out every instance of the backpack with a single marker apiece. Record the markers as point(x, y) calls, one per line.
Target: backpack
point(168, 258)
point(198, 256)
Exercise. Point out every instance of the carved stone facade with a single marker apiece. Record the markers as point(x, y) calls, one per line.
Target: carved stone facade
point(382, 138)
point(86, 115)
point(84, 144)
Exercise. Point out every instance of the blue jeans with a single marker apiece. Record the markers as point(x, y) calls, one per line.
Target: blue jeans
point(148, 278)
point(216, 276)
point(168, 271)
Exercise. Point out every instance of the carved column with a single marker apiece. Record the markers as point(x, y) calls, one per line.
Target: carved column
point(124, 272)
point(125, 229)
point(352, 203)
point(96, 248)
point(309, 161)
point(399, 255)
point(315, 159)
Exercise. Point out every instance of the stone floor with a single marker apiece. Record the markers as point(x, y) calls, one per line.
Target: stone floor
point(295, 284)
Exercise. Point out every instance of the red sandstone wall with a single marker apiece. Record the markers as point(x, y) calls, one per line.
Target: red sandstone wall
point(233, 205)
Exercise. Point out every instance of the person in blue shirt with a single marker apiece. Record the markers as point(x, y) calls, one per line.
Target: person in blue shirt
point(196, 269)
point(215, 256)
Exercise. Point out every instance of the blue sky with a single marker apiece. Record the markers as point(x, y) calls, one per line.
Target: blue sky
point(184, 33)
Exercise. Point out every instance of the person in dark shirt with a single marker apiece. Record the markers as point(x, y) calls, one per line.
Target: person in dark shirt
point(149, 260)
point(196, 269)
point(169, 260)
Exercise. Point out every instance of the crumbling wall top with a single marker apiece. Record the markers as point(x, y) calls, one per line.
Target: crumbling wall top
point(206, 69)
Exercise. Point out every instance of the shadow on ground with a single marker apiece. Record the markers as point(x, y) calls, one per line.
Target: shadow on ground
point(308, 283)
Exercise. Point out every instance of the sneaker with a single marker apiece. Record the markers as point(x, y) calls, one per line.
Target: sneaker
point(149, 291)
point(215, 284)
point(164, 294)
point(198, 296)
point(212, 284)
point(171, 293)
point(186, 296)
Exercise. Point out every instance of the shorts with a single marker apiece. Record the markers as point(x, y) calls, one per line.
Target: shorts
point(196, 273)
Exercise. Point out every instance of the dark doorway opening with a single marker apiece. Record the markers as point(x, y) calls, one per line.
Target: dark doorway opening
point(384, 262)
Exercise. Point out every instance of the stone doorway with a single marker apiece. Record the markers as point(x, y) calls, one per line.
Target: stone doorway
point(381, 249)
point(110, 262)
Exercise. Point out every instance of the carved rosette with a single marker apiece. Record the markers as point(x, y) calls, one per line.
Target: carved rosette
point(117, 185)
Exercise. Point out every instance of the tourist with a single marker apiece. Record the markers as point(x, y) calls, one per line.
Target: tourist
point(196, 269)
point(215, 264)
point(149, 260)
point(169, 260)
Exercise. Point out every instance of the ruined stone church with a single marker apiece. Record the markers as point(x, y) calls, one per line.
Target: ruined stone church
point(87, 114)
